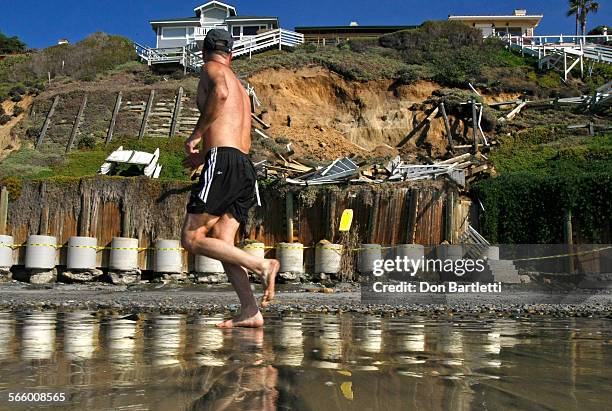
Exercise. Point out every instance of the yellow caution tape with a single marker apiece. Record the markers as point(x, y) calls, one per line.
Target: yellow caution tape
point(338, 248)
point(564, 255)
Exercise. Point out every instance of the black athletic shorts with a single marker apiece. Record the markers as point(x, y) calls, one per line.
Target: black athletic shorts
point(228, 184)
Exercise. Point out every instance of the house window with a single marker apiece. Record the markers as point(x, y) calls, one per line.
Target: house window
point(173, 33)
point(236, 31)
point(250, 30)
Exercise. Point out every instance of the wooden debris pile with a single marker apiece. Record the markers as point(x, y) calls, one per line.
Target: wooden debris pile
point(599, 103)
point(461, 169)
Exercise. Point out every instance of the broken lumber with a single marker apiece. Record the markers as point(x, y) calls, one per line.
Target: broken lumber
point(419, 126)
point(504, 103)
point(447, 126)
point(474, 90)
point(474, 126)
point(260, 121)
point(515, 111)
point(261, 133)
point(457, 159)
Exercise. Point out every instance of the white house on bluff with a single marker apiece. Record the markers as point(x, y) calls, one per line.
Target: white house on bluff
point(516, 24)
point(180, 32)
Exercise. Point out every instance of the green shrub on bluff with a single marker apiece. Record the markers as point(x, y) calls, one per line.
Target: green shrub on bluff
point(84, 60)
point(453, 53)
point(10, 45)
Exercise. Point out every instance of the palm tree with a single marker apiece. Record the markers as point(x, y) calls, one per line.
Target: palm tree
point(574, 10)
point(587, 6)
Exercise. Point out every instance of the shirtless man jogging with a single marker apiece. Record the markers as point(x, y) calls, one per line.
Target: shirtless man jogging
point(227, 187)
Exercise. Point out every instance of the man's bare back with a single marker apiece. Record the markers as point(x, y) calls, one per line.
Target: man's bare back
point(232, 124)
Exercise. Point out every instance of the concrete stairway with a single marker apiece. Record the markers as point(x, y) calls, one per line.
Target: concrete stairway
point(504, 271)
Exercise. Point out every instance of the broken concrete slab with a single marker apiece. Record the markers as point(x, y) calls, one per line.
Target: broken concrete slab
point(81, 276)
point(5, 274)
point(125, 277)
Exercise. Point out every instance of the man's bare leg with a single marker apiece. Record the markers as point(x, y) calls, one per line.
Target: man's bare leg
point(225, 230)
point(196, 239)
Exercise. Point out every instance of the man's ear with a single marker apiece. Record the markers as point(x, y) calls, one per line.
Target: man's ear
point(230, 56)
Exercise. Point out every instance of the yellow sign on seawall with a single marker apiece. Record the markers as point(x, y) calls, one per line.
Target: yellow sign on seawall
point(346, 220)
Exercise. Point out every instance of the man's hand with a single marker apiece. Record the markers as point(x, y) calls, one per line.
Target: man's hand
point(191, 145)
point(194, 158)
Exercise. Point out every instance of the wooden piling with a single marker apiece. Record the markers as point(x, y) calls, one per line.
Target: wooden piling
point(450, 217)
point(4, 200)
point(41, 136)
point(447, 126)
point(568, 238)
point(145, 117)
point(177, 111)
point(289, 216)
point(126, 224)
point(474, 126)
point(77, 123)
point(111, 127)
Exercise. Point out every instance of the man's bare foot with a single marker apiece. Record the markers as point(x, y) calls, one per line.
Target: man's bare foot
point(268, 280)
point(255, 321)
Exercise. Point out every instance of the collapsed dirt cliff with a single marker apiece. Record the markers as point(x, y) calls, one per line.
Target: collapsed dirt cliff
point(326, 115)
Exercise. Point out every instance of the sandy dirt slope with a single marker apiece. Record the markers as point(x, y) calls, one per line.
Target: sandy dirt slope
point(330, 116)
point(9, 142)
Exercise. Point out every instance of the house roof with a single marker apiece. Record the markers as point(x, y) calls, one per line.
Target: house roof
point(352, 28)
point(215, 3)
point(176, 20)
point(238, 18)
point(537, 17)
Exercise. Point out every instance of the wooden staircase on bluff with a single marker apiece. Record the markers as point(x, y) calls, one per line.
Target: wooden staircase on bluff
point(161, 120)
point(564, 53)
point(190, 57)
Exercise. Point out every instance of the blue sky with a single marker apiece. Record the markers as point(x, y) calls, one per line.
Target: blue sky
point(42, 23)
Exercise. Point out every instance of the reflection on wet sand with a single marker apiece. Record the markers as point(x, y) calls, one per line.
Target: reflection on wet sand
point(38, 336)
point(166, 340)
point(247, 383)
point(306, 362)
point(290, 342)
point(209, 342)
point(80, 336)
point(7, 335)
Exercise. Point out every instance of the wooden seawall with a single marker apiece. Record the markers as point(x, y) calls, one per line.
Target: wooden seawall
point(146, 209)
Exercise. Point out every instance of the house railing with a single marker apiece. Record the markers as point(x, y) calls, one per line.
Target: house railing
point(191, 58)
point(278, 37)
point(590, 47)
point(563, 52)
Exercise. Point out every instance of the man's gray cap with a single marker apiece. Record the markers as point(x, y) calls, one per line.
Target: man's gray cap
point(217, 39)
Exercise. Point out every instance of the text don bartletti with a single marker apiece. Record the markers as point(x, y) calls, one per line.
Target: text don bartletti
point(412, 266)
point(426, 287)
